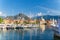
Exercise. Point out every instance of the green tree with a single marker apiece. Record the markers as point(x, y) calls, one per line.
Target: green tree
point(1, 20)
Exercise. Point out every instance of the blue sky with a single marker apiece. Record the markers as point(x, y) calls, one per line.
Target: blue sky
point(29, 7)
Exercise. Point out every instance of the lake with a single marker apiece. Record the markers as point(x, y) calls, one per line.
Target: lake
point(27, 34)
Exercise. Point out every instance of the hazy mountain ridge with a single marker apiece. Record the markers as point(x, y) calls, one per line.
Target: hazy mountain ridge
point(18, 16)
point(47, 17)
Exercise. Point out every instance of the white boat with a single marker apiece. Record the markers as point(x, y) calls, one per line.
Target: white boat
point(57, 29)
point(2, 26)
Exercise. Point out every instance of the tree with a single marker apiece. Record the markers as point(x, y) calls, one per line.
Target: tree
point(1, 20)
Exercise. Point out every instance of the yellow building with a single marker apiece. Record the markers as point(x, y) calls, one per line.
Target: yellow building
point(8, 21)
point(42, 24)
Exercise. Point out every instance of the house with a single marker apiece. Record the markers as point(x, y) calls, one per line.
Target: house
point(8, 21)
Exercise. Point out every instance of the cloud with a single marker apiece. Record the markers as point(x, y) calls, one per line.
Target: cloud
point(39, 14)
point(49, 10)
point(2, 14)
point(31, 15)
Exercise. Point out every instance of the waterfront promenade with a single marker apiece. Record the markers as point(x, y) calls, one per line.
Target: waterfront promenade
point(10, 26)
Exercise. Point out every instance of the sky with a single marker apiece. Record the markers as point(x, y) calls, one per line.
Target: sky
point(29, 7)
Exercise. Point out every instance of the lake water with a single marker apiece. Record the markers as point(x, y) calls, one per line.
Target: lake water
point(27, 34)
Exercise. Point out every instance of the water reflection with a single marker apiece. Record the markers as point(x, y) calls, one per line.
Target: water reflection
point(26, 34)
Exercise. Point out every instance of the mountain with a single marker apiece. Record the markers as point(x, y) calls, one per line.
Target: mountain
point(19, 16)
point(23, 16)
point(2, 17)
point(9, 17)
point(47, 17)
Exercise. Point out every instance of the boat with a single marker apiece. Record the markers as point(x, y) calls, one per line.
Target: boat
point(56, 29)
point(9, 26)
point(2, 26)
point(19, 26)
